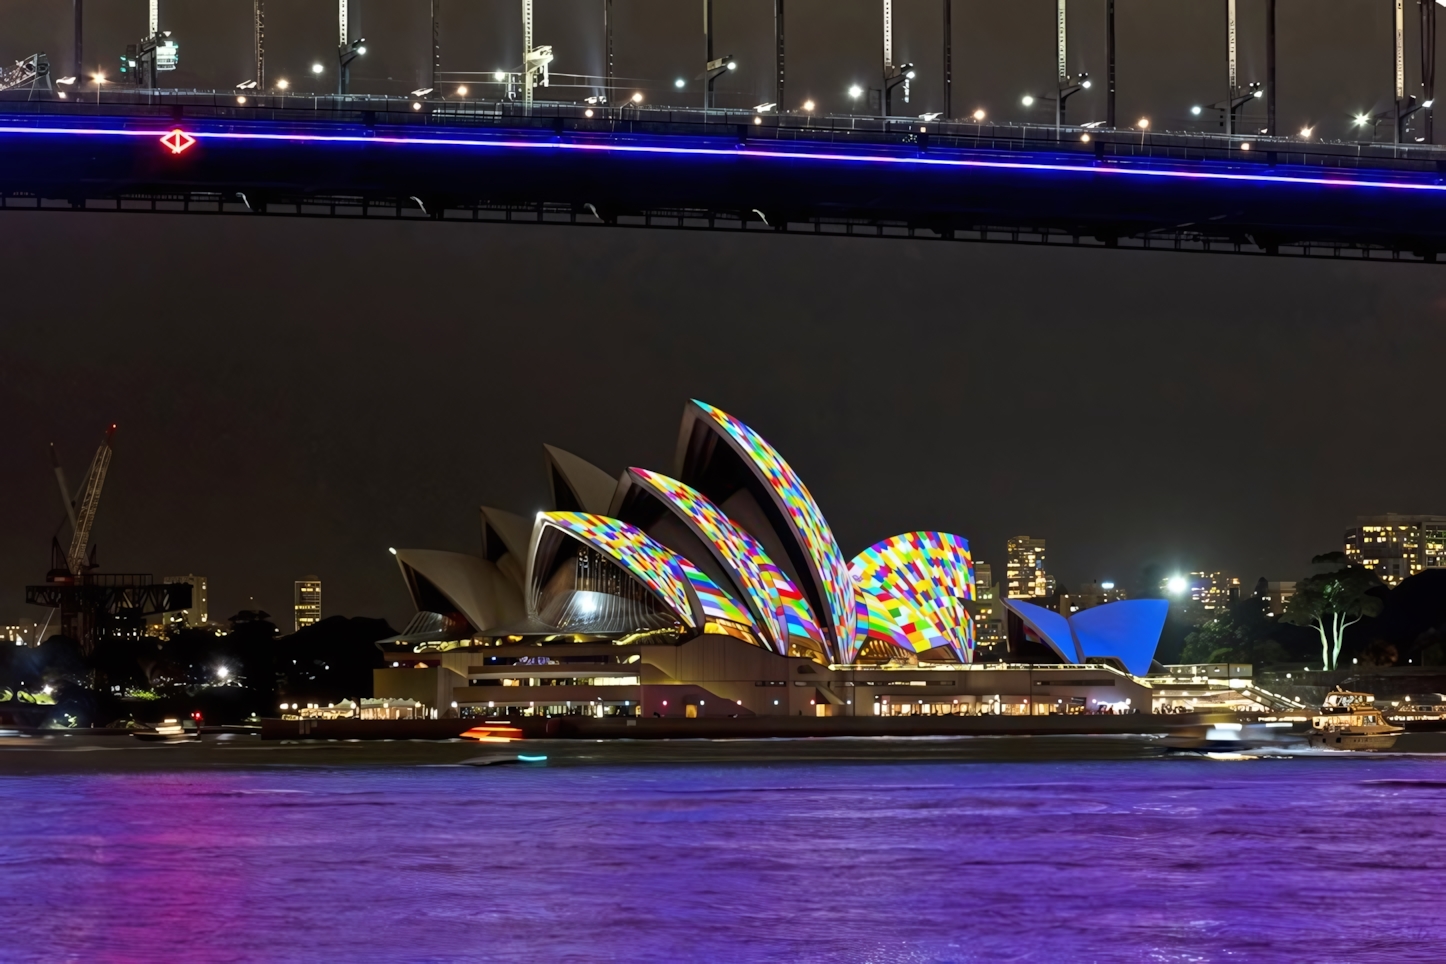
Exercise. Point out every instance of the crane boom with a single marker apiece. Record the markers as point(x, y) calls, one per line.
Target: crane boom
point(65, 497)
point(89, 501)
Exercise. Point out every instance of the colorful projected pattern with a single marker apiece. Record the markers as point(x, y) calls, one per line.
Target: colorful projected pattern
point(876, 622)
point(808, 524)
point(715, 601)
point(779, 606)
point(923, 580)
point(659, 567)
point(736, 549)
point(796, 614)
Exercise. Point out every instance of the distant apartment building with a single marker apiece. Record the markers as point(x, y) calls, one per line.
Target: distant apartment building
point(198, 615)
point(22, 633)
point(1214, 590)
point(1396, 547)
point(989, 624)
point(1277, 596)
point(1088, 596)
point(1025, 575)
point(307, 605)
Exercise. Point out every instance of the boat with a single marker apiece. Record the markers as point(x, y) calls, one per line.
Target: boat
point(1352, 721)
point(168, 731)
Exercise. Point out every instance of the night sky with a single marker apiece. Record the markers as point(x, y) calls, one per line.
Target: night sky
point(295, 396)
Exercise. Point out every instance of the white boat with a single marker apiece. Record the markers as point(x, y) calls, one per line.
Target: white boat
point(168, 731)
point(1352, 721)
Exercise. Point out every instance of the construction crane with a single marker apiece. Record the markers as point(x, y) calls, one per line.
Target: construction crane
point(91, 604)
point(83, 507)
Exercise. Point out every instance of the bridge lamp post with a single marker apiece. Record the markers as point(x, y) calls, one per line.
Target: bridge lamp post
point(894, 75)
point(1067, 89)
point(715, 69)
point(855, 92)
point(99, 79)
point(345, 55)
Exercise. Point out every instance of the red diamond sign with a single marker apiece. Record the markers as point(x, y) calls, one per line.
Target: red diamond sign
point(178, 140)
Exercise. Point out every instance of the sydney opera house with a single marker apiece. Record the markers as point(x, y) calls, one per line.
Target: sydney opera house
point(719, 590)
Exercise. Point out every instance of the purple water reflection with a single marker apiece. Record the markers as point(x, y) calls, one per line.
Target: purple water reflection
point(1170, 860)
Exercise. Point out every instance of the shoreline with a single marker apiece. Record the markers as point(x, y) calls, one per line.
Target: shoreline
point(65, 754)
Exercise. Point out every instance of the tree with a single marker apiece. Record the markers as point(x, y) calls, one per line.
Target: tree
point(1331, 602)
point(1240, 634)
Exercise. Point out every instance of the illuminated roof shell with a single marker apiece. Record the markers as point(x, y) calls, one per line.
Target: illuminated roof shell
point(682, 587)
point(1128, 630)
point(805, 519)
point(924, 581)
point(776, 603)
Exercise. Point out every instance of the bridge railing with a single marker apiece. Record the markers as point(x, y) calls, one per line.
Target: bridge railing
point(852, 129)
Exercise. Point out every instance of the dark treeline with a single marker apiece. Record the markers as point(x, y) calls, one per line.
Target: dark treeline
point(229, 677)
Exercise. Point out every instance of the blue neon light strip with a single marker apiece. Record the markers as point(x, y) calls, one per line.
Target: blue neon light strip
point(791, 155)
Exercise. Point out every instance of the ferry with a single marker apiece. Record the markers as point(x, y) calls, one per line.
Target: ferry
point(1352, 721)
point(168, 731)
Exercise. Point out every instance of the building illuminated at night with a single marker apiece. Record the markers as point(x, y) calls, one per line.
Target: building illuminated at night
point(1214, 591)
point(717, 589)
point(1025, 575)
point(306, 601)
point(1396, 547)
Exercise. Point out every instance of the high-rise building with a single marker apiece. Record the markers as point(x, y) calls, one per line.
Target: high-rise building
point(1277, 596)
point(1024, 572)
point(1396, 547)
point(308, 601)
point(197, 615)
point(1214, 590)
point(1089, 595)
point(989, 624)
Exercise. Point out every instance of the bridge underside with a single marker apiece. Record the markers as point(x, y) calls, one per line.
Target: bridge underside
point(894, 179)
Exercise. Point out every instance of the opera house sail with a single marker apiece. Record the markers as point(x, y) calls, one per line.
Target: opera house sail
point(721, 581)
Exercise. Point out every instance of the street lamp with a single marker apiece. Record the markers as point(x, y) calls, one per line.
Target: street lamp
point(979, 115)
point(894, 75)
point(345, 55)
point(711, 72)
point(855, 92)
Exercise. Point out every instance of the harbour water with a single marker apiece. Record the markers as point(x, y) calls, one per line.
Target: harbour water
point(1337, 858)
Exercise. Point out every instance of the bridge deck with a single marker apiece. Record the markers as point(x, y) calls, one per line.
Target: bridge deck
point(721, 170)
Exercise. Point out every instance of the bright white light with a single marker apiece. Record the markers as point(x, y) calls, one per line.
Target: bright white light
point(1027, 100)
point(222, 672)
point(1086, 84)
point(1195, 110)
point(732, 65)
point(1177, 584)
point(979, 114)
point(1143, 123)
point(391, 550)
point(316, 68)
point(1084, 138)
point(361, 50)
point(678, 83)
point(1107, 585)
point(1259, 93)
point(1305, 132)
point(283, 84)
point(638, 97)
point(587, 113)
point(98, 78)
point(1427, 103)
point(1245, 147)
point(856, 91)
point(283, 706)
point(758, 120)
point(910, 75)
point(462, 90)
point(416, 105)
point(241, 99)
point(1362, 120)
point(808, 105)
